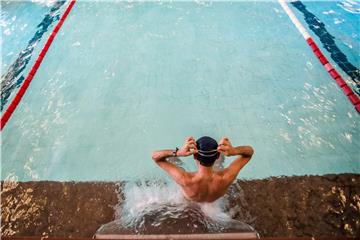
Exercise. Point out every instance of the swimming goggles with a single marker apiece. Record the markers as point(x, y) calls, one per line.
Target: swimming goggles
point(209, 153)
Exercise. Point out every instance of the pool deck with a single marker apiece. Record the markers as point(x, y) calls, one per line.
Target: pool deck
point(301, 206)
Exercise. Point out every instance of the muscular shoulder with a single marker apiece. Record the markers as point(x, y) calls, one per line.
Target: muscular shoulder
point(188, 178)
point(222, 179)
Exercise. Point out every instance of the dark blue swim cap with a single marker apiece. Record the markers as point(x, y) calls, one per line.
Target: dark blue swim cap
point(207, 151)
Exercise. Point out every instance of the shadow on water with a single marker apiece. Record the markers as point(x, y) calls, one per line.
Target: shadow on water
point(155, 207)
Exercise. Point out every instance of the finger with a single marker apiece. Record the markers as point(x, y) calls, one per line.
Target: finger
point(193, 150)
point(221, 148)
point(224, 148)
point(222, 141)
point(191, 145)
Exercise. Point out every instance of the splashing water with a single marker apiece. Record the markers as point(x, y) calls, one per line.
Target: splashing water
point(160, 208)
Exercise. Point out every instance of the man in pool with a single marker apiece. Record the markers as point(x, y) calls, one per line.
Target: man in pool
point(205, 185)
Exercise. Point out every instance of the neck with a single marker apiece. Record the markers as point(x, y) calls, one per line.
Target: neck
point(205, 171)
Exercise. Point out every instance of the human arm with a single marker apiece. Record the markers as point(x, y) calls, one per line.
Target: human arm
point(244, 154)
point(160, 158)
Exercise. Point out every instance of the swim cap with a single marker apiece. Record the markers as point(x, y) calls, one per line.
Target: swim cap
point(207, 151)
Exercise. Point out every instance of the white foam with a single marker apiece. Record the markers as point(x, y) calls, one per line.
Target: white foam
point(146, 197)
point(167, 201)
point(141, 196)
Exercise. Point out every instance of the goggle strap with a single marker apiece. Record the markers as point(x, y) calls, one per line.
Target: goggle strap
point(207, 155)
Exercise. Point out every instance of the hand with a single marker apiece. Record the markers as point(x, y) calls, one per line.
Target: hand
point(225, 147)
point(188, 148)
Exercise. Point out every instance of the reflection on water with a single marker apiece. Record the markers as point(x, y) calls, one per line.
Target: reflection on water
point(13, 77)
point(160, 208)
point(317, 111)
point(350, 6)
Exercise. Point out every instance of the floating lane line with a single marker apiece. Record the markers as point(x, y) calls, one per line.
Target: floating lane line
point(15, 102)
point(353, 98)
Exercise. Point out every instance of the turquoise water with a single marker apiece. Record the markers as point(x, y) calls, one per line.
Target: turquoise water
point(342, 20)
point(23, 26)
point(19, 20)
point(125, 78)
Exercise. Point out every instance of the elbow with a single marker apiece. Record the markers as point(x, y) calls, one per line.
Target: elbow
point(153, 156)
point(251, 150)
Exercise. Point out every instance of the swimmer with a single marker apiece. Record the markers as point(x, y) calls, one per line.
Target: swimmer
point(205, 185)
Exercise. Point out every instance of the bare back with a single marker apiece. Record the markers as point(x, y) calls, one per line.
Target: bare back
point(205, 189)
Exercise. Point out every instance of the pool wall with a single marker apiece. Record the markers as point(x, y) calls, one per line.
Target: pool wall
point(276, 207)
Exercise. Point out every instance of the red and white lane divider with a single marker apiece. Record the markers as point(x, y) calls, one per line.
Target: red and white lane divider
point(15, 102)
point(353, 98)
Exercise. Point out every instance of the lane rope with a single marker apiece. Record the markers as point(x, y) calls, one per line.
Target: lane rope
point(349, 93)
point(15, 102)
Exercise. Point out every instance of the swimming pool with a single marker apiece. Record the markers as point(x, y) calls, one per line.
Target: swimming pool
point(122, 79)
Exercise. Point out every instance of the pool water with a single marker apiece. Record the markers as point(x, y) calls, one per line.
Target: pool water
point(19, 20)
point(122, 79)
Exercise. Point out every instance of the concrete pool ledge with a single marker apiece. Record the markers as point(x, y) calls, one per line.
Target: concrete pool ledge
point(210, 236)
point(297, 206)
